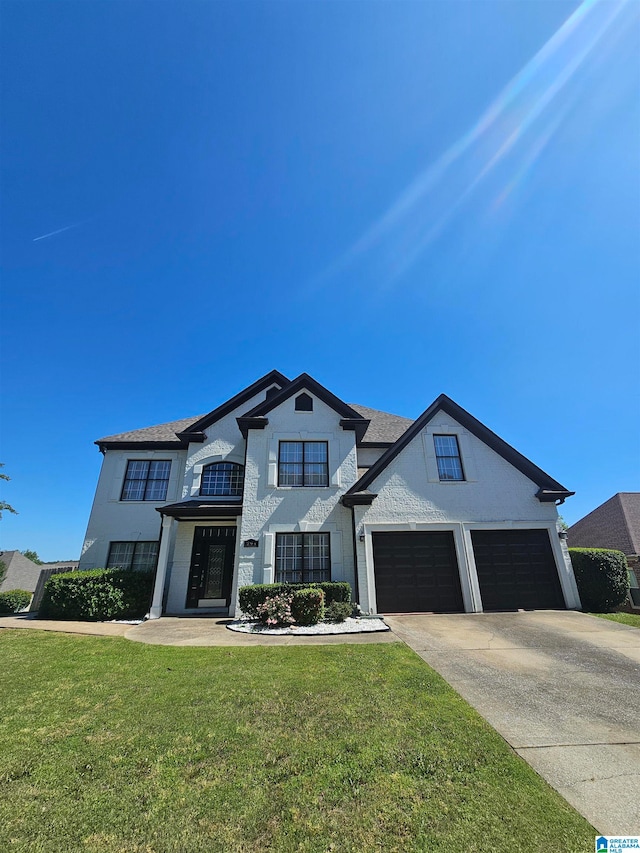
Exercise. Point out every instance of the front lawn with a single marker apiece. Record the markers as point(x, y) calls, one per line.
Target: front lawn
point(109, 746)
point(632, 619)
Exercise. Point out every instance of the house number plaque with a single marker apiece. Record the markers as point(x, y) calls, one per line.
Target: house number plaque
point(250, 543)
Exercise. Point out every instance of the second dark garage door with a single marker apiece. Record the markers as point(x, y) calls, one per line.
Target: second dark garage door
point(416, 572)
point(516, 570)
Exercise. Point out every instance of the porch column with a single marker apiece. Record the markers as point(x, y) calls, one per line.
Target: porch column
point(161, 571)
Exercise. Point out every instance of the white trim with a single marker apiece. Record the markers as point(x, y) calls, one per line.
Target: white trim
point(336, 565)
point(471, 595)
point(333, 462)
point(466, 582)
point(564, 570)
point(197, 469)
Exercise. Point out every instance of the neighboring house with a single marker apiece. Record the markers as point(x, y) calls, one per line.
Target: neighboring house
point(286, 482)
point(614, 524)
point(49, 569)
point(21, 572)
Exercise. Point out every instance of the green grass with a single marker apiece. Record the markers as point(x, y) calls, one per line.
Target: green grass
point(632, 619)
point(108, 746)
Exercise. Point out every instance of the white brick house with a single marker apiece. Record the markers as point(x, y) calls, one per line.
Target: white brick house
point(287, 482)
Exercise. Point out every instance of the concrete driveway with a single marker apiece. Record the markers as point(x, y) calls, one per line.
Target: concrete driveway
point(562, 688)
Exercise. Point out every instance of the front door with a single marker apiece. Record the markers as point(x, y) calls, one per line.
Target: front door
point(211, 569)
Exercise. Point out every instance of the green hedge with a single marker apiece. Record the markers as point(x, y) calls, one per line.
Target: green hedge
point(601, 576)
point(337, 611)
point(251, 597)
point(96, 595)
point(14, 600)
point(307, 606)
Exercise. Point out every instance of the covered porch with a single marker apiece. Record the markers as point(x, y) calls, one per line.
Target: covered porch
point(197, 560)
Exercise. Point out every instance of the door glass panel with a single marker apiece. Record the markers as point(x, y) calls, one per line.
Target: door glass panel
point(214, 572)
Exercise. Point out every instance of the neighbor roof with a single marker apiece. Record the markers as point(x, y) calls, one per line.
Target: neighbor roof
point(21, 572)
point(614, 524)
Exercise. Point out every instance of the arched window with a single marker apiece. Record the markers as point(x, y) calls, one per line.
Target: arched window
point(222, 479)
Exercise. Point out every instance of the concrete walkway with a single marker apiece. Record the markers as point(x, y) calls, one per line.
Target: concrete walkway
point(562, 688)
point(188, 631)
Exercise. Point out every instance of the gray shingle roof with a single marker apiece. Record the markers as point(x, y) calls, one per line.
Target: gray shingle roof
point(22, 573)
point(383, 428)
point(160, 432)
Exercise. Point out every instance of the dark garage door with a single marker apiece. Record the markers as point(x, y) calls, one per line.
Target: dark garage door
point(416, 572)
point(516, 570)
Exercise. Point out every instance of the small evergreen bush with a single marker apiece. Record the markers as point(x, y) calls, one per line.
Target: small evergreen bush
point(337, 611)
point(96, 595)
point(251, 597)
point(307, 606)
point(14, 600)
point(601, 576)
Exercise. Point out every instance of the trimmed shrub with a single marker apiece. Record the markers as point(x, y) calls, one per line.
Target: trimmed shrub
point(275, 610)
point(601, 576)
point(334, 591)
point(337, 611)
point(307, 606)
point(251, 597)
point(96, 595)
point(14, 600)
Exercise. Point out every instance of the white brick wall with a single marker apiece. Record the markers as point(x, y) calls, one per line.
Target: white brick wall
point(268, 509)
point(113, 520)
point(494, 495)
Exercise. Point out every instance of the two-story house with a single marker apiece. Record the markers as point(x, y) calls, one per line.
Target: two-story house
point(286, 482)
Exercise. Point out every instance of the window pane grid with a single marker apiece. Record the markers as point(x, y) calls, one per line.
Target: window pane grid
point(222, 479)
point(303, 463)
point(448, 457)
point(146, 480)
point(302, 558)
point(139, 556)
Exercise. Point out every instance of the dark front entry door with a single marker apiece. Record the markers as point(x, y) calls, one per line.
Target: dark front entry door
point(417, 572)
point(211, 565)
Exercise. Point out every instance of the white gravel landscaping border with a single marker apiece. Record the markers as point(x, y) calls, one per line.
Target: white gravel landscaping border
point(349, 626)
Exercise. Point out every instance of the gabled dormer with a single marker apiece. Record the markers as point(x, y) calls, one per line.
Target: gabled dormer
point(304, 389)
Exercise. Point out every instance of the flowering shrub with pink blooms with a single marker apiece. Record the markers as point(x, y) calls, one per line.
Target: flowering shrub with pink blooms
point(275, 611)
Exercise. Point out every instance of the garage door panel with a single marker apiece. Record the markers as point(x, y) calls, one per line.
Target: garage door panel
point(416, 572)
point(516, 570)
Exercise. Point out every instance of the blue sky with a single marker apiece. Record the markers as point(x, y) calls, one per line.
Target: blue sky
point(401, 199)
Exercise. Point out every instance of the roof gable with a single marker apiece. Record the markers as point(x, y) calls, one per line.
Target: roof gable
point(274, 377)
point(549, 489)
point(176, 434)
point(304, 382)
point(350, 419)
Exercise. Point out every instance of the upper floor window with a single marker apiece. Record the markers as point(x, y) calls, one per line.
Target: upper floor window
point(139, 556)
point(303, 463)
point(448, 456)
point(302, 558)
point(146, 480)
point(222, 479)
